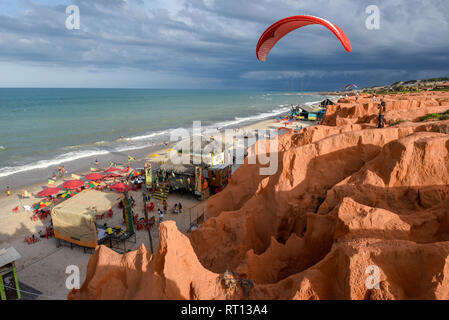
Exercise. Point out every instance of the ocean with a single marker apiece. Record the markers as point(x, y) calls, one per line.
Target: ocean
point(43, 128)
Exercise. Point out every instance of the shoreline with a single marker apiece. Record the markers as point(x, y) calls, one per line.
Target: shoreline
point(37, 162)
point(26, 179)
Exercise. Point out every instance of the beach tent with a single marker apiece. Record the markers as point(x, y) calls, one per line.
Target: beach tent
point(74, 219)
point(326, 102)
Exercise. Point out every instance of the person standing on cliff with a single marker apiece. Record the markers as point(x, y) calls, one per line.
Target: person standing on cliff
point(382, 109)
point(357, 96)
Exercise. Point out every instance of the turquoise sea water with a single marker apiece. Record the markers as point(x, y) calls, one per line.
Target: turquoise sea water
point(40, 128)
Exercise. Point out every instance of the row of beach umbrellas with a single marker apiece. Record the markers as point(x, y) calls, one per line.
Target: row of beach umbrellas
point(93, 178)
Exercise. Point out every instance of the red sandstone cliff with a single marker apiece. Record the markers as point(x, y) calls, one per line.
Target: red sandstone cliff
point(347, 196)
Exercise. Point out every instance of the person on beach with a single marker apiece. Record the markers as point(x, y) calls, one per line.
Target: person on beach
point(165, 204)
point(180, 207)
point(8, 191)
point(97, 164)
point(54, 176)
point(62, 171)
point(59, 171)
point(161, 215)
point(382, 109)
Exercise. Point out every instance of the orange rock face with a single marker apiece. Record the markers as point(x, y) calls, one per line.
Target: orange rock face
point(353, 212)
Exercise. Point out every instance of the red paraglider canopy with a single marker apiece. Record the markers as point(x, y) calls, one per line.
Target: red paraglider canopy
point(279, 29)
point(94, 176)
point(49, 192)
point(73, 184)
point(120, 187)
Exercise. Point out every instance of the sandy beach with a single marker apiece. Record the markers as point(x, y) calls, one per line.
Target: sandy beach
point(43, 265)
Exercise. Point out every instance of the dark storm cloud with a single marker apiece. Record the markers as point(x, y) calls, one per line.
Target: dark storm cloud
point(211, 43)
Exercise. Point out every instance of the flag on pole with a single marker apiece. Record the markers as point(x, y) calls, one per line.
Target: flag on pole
point(131, 159)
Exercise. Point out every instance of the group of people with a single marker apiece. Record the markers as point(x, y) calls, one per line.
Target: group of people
point(61, 172)
point(177, 208)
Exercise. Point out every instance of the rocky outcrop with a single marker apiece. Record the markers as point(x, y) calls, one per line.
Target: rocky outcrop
point(409, 107)
point(353, 212)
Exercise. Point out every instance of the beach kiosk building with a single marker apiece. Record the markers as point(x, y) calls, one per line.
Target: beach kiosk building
point(8, 257)
point(74, 219)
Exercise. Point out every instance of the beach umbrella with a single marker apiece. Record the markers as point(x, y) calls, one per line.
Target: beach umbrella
point(113, 175)
point(73, 184)
point(94, 176)
point(132, 174)
point(42, 204)
point(120, 187)
point(111, 170)
point(69, 194)
point(49, 192)
point(93, 184)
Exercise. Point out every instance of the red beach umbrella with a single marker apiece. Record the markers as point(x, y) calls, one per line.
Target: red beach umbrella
point(120, 187)
point(49, 192)
point(94, 176)
point(112, 170)
point(114, 175)
point(73, 184)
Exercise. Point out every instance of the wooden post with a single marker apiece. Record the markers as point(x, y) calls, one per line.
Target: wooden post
point(16, 279)
point(2, 288)
point(145, 210)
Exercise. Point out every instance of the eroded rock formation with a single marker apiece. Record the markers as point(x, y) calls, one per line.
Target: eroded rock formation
point(348, 199)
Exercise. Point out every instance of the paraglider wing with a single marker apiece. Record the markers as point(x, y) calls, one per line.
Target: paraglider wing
point(279, 29)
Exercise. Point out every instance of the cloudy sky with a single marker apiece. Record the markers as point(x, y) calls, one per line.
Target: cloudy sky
point(211, 44)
